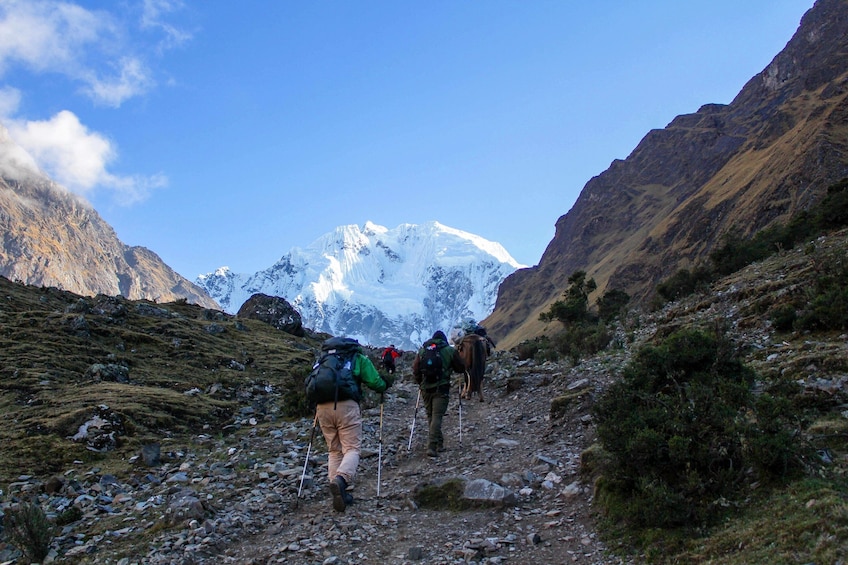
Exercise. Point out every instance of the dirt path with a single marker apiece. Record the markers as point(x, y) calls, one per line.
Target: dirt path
point(510, 440)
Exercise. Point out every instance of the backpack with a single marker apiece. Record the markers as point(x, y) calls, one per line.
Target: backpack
point(431, 364)
point(332, 377)
point(388, 357)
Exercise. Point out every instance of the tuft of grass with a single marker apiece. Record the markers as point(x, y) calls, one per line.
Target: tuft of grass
point(441, 495)
point(28, 529)
point(805, 522)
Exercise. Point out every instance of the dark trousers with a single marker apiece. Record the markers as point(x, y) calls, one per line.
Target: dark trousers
point(436, 405)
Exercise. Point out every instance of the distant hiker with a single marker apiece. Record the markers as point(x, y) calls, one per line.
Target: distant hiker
point(335, 386)
point(389, 355)
point(432, 369)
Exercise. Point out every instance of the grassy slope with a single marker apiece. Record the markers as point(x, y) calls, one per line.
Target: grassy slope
point(52, 341)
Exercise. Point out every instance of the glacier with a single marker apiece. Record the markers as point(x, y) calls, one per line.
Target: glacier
point(379, 285)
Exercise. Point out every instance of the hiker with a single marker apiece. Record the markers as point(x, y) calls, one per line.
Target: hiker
point(389, 355)
point(432, 369)
point(339, 415)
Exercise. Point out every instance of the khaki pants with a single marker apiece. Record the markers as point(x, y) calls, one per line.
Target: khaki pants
point(342, 429)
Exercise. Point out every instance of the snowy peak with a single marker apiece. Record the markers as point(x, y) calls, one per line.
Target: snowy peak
point(379, 285)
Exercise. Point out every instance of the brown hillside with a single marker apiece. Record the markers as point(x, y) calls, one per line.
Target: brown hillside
point(739, 167)
point(52, 238)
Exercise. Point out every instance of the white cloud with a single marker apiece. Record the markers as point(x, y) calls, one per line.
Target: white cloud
point(48, 36)
point(77, 158)
point(132, 79)
point(10, 99)
point(93, 48)
point(151, 18)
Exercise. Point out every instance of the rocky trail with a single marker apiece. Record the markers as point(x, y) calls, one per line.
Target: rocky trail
point(542, 514)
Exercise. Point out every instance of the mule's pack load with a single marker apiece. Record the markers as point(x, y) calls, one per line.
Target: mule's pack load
point(332, 377)
point(431, 363)
point(466, 327)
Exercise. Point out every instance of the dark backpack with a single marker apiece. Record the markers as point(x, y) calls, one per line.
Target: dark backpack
point(388, 357)
point(431, 363)
point(332, 377)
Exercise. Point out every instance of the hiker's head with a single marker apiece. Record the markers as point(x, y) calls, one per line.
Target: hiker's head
point(440, 335)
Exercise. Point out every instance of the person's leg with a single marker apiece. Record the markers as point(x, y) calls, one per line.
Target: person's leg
point(440, 407)
point(328, 422)
point(428, 397)
point(350, 437)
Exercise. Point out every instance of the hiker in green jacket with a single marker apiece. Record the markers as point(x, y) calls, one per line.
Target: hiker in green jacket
point(432, 369)
point(341, 420)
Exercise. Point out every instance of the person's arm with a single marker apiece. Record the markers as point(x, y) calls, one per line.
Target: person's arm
point(416, 369)
point(368, 374)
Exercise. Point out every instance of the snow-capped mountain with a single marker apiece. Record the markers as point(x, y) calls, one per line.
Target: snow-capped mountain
point(378, 285)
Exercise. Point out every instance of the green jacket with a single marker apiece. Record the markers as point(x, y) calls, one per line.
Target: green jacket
point(451, 363)
point(364, 371)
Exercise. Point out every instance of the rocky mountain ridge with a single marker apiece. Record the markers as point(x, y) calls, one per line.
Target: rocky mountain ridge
point(53, 238)
point(379, 285)
point(736, 168)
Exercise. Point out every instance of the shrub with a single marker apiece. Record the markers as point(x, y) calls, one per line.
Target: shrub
point(681, 428)
point(783, 317)
point(574, 305)
point(832, 213)
point(685, 282)
point(527, 349)
point(294, 403)
point(578, 340)
point(611, 304)
point(29, 530)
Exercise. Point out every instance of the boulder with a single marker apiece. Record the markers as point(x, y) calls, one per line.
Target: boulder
point(273, 310)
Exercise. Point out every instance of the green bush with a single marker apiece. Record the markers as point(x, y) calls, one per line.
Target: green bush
point(827, 308)
point(578, 340)
point(527, 349)
point(682, 428)
point(574, 305)
point(611, 304)
point(783, 317)
point(293, 397)
point(832, 213)
point(685, 282)
point(28, 529)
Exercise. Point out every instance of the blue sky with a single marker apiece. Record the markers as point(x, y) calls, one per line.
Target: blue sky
point(225, 133)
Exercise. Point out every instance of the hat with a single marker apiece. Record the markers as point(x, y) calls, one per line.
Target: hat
point(440, 335)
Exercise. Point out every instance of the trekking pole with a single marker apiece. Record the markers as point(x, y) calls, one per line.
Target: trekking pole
point(415, 415)
point(460, 414)
point(380, 450)
point(306, 462)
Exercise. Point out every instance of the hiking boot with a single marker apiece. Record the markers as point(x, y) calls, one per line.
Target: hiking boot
point(348, 498)
point(338, 488)
point(431, 452)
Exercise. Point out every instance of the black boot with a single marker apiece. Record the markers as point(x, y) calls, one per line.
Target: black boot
point(338, 488)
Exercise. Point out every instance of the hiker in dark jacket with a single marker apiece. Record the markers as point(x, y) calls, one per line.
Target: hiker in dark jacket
point(436, 394)
point(341, 425)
